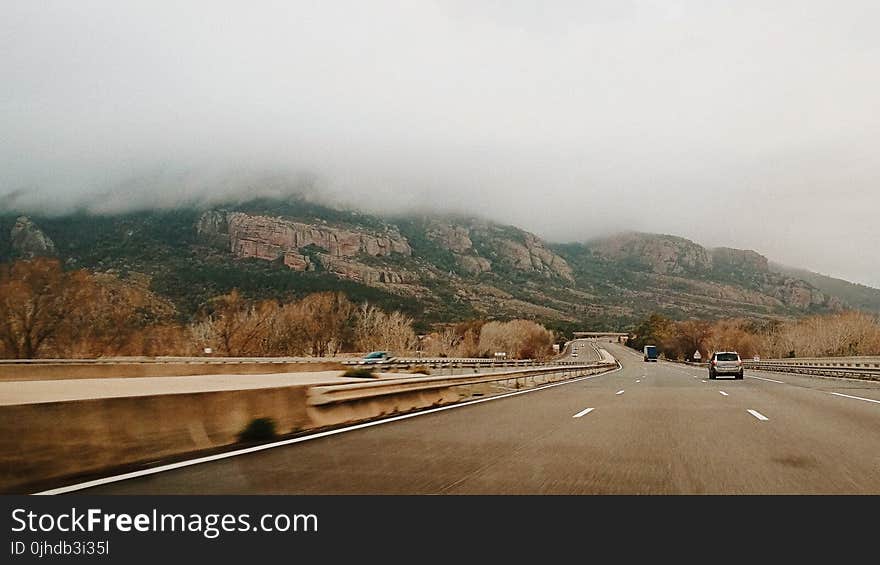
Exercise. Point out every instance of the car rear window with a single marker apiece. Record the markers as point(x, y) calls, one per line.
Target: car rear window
point(727, 357)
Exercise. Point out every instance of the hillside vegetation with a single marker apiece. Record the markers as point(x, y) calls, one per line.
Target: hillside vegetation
point(433, 268)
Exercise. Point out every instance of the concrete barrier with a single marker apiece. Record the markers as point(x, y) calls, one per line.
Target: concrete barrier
point(122, 367)
point(63, 439)
point(102, 370)
point(337, 404)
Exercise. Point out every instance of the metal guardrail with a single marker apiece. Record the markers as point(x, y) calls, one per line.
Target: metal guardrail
point(437, 361)
point(394, 363)
point(850, 367)
point(330, 394)
point(173, 360)
point(442, 362)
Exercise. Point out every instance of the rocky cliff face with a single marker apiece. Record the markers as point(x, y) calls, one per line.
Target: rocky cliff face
point(741, 259)
point(28, 240)
point(267, 238)
point(457, 239)
point(661, 254)
point(521, 250)
point(334, 249)
point(531, 254)
point(726, 270)
point(799, 294)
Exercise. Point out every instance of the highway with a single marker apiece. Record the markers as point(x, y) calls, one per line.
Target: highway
point(647, 428)
point(584, 348)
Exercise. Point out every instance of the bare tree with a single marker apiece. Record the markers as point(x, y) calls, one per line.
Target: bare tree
point(518, 338)
point(377, 330)
point(235, 326)
point(37, 299)
point(327, 317)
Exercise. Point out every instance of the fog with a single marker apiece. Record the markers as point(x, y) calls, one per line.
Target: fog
point(747, 124)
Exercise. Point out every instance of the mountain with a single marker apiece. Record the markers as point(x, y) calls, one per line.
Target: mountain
point(433, 267)
point(854, 295)
point(643, 272)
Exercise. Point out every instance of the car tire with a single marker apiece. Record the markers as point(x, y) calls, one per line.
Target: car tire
point(711, 375)
point(740, 375)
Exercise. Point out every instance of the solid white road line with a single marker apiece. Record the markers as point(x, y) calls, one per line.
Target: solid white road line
point(583, 413)
point(723, 393)
point(619, 392)
point(763, 379)
point(757, 415)
point(856, 397)
point(237, 452)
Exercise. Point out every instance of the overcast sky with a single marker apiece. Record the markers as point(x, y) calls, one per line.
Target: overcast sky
point(750, 124)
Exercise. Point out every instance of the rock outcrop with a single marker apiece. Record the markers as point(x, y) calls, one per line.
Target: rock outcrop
point(796, 293)
point(356, 271)
point(457, 239)
point(453, 237)
point(506, 245)
point(661, 254)
point(28, 240)
point(531, 254)
point(472, 264)
point(740, 259)
point(270, 238)
point(306, 247)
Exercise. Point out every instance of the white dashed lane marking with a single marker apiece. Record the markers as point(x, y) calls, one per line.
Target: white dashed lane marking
point(856, 397)
point(763, 379)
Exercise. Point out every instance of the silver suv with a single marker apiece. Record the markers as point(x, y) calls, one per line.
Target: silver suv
point(725, 363)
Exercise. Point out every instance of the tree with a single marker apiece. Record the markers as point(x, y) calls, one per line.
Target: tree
point(114, 317)
point(37, 299)
point(234, 325)
point(692, 336)
point(377, 330)
point(656, 330)
point(328, 321)
point(520, 339)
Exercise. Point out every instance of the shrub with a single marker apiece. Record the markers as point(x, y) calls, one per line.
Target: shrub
point(259, 429)
point(360, 373)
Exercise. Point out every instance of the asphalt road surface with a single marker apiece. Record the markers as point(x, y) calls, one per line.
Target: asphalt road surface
point(586, 353)
point(648, 428)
